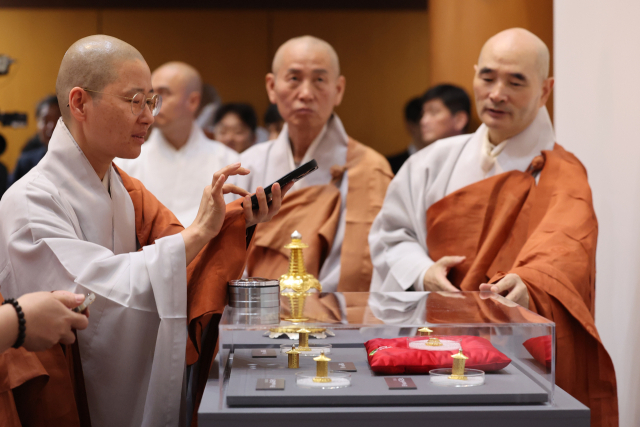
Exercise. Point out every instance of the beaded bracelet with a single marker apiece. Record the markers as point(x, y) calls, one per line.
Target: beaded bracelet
point(22, 323)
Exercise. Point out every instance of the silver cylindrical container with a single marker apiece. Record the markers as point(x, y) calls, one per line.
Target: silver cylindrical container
point(255, 301)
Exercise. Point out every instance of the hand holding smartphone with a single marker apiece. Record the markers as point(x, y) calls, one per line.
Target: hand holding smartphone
point(293, 176)
point(86, 303)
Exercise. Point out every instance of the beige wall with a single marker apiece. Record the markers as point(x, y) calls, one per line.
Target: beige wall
point(597, 110)
point(459, 28)
point(384, 56)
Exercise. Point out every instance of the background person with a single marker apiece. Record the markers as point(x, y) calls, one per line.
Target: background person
point(235, 126)
point(47, 115)
point(445, 111)
point(273, 121)
point(412, 115)
point(178, 160)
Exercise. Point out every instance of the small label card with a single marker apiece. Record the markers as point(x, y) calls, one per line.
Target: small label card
point(270, 384)
point(342, 366)
point(400, 383)
point(263, 352)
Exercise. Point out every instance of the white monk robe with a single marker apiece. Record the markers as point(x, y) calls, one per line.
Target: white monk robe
point(61, 229)
point(398, 237)
point(178, 177)
point(271, 160)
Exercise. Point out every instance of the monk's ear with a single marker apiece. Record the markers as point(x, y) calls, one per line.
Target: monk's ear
point(270, 81)
point(193, 102)
point(78, 100)
point(547, 87)
point(340, 86)
point(460, 121)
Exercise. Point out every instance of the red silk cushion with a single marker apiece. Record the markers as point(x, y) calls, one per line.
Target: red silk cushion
point(394, 356)
point(540, 349)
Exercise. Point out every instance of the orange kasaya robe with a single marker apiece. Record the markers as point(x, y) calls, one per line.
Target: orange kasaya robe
point(47, 389)
point(546, 234)
point(315, 211)
point(43, 388)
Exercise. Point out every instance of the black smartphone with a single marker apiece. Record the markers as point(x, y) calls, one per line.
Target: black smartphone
point(292, 176)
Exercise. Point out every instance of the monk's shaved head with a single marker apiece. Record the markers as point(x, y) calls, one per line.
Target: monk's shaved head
point(92, 63)
point(306, 85)
point(180, 86)
point(511, 83)
point(187, 76)
point(309, 44)
point(521, 43)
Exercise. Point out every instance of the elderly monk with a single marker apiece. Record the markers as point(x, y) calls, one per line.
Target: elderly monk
point(178, 159)
point(332, 208)
point(504, 209)
point(76, 222)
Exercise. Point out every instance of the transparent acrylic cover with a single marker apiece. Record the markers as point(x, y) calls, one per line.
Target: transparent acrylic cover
point(347, 320)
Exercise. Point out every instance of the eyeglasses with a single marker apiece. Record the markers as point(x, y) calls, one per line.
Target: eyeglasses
point(138, 102)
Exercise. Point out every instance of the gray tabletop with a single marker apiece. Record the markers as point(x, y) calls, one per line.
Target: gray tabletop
point(565, 411)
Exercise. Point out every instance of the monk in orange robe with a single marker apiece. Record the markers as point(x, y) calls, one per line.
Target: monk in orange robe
point(82, 222)
point(507, 210)
point(53, 379)
point(332, 208)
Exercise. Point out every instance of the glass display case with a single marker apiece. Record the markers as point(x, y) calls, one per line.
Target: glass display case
point(382, 347)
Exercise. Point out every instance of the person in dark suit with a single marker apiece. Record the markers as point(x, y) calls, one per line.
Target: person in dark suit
point(443, 111)
point(47, 115)
point(412, 116)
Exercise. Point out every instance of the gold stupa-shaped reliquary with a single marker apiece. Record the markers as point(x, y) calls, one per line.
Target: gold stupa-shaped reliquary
point(297, 283)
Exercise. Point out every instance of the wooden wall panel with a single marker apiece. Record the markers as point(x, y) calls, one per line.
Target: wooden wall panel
point(384, 57)
point(459, 28)
point(229, 48)
point(37, 39)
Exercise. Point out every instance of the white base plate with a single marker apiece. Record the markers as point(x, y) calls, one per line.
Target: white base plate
point(338, 380)
point(314, 352)
point(440, 377)
point(447, 345)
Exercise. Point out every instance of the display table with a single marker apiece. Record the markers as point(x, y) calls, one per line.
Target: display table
point(565, 412)
point(251, 384)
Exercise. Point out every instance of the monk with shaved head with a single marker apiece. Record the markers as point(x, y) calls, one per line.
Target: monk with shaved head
point(178, 159)
point(77, 222)
point(505, 210)
point(332, 208)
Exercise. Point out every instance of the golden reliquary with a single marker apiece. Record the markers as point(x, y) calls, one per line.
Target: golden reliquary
point(297, 283)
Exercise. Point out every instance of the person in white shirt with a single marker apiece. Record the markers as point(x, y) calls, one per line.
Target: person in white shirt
point(177, 160)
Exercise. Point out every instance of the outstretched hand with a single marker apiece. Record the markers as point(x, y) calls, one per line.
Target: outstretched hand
point(518, 291)
point(435, 279)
